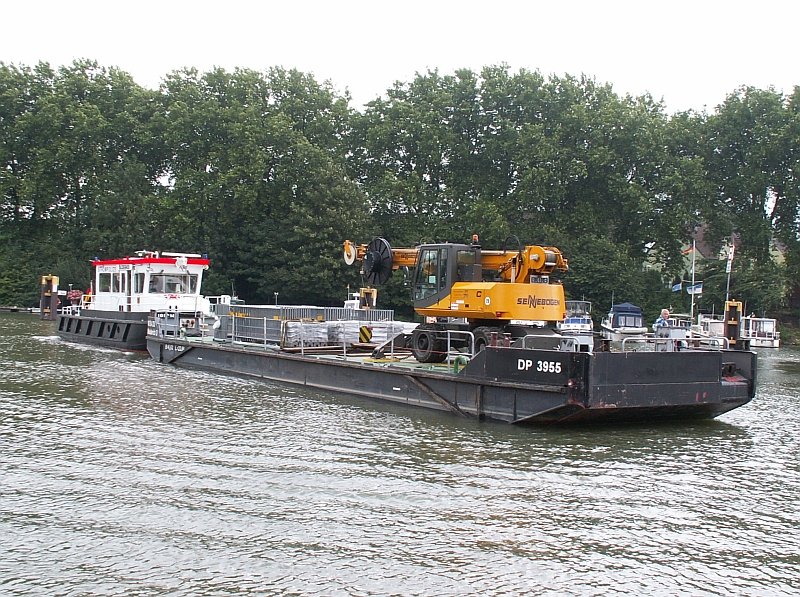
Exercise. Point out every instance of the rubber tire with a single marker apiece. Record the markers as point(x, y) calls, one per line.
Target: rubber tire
point(426, 347)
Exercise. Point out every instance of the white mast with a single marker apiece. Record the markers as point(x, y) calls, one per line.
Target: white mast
point(728, 269)
point(691, 312)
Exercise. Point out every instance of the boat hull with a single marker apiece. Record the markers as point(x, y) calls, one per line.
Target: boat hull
point(512, 385)
point(111, 329)
point(763, 342)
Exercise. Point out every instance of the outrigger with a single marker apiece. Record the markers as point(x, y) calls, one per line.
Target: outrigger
point(488, 348)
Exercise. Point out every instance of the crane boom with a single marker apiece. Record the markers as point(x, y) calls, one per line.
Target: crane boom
point(531, 259)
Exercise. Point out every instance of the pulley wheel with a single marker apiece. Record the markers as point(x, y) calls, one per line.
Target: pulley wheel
point(350, 253)
point(377, 262)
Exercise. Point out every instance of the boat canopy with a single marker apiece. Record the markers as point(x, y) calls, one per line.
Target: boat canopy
point(626, 308)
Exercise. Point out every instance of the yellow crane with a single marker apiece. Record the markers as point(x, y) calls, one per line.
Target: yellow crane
point(462, 287)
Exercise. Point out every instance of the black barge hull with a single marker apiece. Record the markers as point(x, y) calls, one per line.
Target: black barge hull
point(513, 385)
point(111, 329)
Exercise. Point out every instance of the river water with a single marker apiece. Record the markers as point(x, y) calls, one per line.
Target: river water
point(123, 476)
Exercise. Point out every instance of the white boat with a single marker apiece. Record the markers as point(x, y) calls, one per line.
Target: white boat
point(711, 325)
point(578, 318)
point(761, 332)
point(578, 324)
point(124, 293)
point(623, 321)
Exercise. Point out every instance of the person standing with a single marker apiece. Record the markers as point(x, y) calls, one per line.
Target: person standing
point(663, 320)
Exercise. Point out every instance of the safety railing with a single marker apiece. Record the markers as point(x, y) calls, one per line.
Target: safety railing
point(348, 314)
point(454, 353)
point(307, 313)
point(660, 344)
point(302, 333)
point(550, 342)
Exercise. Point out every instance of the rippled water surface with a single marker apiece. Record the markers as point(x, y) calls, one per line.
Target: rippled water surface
point(123, 476)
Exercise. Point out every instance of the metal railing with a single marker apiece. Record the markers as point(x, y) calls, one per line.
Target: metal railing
point(300, 333)
point(307, 313)
point(347, 314)
point(454, 353)
point(661, 344)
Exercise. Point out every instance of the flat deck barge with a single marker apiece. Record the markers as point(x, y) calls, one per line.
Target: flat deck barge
point(646, 381)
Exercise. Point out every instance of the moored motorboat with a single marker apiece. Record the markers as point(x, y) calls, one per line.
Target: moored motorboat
point(761, 332)
point(624, 320)
point(125, 291)
point(755, 332)
point(578, 323)
point(711, 324)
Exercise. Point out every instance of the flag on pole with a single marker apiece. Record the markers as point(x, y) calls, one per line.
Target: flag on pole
point(697, 288)
point(730, 259)
point(677, 286)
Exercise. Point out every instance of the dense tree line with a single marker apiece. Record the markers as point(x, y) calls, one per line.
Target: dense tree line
point(268, 172)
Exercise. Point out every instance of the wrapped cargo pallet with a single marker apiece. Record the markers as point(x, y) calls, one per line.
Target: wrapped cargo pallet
point(305, 333)
point(343, 332)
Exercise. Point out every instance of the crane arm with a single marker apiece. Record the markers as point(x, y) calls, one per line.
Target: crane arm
point(378, 259)
point(518, 265)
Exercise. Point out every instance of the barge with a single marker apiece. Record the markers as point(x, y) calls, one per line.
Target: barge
point(512, 384)
point(474, 355)
point(113, 313)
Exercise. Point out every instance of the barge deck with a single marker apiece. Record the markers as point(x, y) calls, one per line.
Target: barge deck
point(511, 384)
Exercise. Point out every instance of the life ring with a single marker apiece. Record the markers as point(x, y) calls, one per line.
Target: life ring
point(349, 253)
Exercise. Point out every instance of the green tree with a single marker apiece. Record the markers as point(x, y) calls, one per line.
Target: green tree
point(750, 164)
point(258, 180)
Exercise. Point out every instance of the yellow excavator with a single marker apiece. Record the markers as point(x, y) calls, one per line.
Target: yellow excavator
point(462, 288)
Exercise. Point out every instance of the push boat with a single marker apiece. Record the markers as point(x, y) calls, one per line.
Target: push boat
point(125, 291)
point(467, 358)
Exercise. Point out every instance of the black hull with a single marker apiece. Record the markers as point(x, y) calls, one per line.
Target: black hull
point(123, 331)
point(512, 385)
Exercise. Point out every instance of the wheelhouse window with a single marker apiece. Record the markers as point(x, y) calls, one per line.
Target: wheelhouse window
point(118, 282)
point(138, 283)
point(104, 283)
point(112, 282)
point(173, 283)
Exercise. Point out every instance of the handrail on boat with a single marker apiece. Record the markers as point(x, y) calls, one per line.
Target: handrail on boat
point(677, 344)
point(455, 353)
point(304, 334)
point(565, 343)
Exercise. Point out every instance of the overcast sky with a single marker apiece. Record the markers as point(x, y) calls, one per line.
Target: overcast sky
point(691, 54)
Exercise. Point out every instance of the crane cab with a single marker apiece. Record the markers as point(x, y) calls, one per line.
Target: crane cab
point(439, 266)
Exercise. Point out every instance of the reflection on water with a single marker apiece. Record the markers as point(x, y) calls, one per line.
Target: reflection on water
point(124, 476)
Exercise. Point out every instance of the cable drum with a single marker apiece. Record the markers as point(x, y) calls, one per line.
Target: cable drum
point(377, 264)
